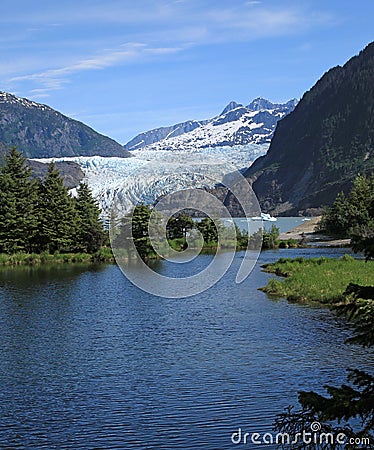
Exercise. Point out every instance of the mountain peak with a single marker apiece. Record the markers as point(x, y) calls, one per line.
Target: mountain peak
point(6, 97)
point(260, 103)
point(236, 125)
point(292, 103)
point(232, 105)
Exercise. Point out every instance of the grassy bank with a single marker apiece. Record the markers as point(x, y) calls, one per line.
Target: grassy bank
point(29, 259)
point(319, 280)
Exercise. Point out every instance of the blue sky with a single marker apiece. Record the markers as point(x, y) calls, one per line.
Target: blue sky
point(126, 66)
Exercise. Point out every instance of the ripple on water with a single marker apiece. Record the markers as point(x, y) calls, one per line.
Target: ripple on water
point(89, 361)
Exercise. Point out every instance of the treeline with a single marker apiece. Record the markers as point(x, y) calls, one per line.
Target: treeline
point(180, 228)
point(39, 216)
point(352, 216)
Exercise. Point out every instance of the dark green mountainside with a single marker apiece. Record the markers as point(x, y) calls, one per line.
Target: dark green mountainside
point(39, 131)
point(319, 148)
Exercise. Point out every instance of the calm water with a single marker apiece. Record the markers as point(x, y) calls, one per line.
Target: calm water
point(283, 223)
point(88, 361)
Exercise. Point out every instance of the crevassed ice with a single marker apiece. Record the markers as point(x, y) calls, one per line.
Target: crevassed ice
point(132, 182)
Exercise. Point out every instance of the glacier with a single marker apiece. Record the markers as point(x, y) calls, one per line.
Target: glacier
point(150, 174)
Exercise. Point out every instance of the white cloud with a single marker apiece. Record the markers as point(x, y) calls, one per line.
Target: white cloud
point(54, 79)
point(252, 24)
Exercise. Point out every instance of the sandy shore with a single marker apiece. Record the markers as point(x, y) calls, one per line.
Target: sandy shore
point(305, 233)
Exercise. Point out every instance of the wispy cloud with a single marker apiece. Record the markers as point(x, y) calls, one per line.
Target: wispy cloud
point(39, 94)
point(54, 79)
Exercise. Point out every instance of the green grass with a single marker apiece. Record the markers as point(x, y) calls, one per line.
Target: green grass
point(31, 259)
point(290, 243)
point(320, 280)
point(177, 244)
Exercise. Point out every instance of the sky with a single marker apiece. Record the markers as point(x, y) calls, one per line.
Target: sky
point(126, 66)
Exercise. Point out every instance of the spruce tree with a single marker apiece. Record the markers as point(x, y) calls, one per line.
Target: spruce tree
point(352, 215)
point(57, 216)
point(89, 233)
point(134, 228)
point(17, 204)
point(208, 229)
point(178, 225)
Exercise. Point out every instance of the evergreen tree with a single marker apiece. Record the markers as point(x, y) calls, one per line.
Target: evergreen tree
point(89, 233)
point(363, 236)
point(17, 204)
point(363, 241)
point(208, 229)
point(270, 238)
point(336, 219)
point(57, 216)
point(135, 228)
point(178, 225)
point(351, 215)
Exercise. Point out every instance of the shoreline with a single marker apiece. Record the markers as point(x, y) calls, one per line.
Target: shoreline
point(318, 280)
point(305, 234)
point(36, 259)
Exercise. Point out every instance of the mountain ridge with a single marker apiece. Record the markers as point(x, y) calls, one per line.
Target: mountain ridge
point(235, 125)
point(319, 148)
point(38, 131)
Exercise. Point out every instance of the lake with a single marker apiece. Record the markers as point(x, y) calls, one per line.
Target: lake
point(282, 223)
point(89, 361)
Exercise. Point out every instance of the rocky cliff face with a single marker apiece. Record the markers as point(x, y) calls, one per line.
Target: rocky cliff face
point(319, 148)
point(39, 131)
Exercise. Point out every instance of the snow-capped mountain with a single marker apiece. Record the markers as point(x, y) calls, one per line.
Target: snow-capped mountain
point(236, 125)
point(11, 99)
point(158, 134)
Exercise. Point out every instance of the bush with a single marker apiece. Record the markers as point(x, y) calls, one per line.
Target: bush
point(270, 238)
point(350, 214)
